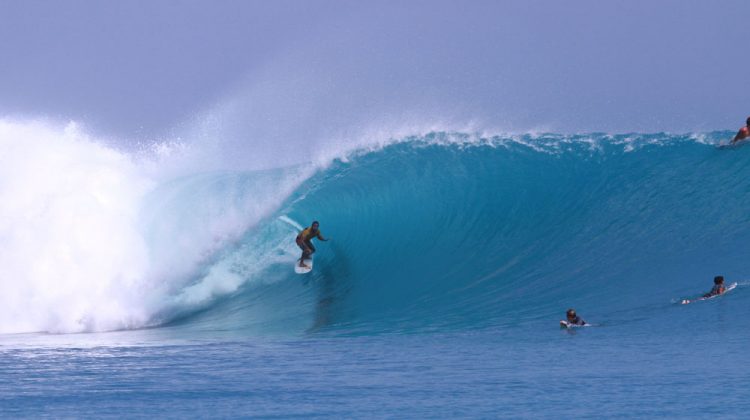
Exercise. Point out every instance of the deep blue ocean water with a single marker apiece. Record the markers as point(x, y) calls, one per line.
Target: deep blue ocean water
point(452, 258)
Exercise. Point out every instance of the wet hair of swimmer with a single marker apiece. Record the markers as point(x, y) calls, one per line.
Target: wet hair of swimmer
point(748, 121)
point(571, 313)
point(315, 224)
point(718, 279)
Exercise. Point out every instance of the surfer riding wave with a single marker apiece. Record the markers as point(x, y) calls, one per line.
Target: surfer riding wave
point(304, 241)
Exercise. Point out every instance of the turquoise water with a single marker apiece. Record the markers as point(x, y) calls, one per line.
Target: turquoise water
point(452, 258)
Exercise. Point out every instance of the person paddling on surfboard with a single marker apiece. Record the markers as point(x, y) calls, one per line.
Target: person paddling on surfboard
point(718, 290)
point(304, 241)
point(574, 319)
point(743, 133)
point(718, 287)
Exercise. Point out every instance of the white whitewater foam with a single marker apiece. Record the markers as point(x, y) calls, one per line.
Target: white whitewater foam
point(71, 256)
point(89, 242)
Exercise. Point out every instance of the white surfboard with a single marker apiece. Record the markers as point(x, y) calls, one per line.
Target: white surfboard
point(303, 270)
point(728, 289)
point(566, 324)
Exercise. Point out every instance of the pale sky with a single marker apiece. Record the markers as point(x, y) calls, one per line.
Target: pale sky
point(140, 69)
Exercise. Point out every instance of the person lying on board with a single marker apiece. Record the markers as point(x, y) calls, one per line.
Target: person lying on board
point(574, 319)
point(304, 241)
point(718, 287)
point(743, 133)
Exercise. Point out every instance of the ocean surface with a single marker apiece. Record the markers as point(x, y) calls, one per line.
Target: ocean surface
point(136, 284)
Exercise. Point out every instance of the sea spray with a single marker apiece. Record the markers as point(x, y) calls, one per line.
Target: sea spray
point(96, 239)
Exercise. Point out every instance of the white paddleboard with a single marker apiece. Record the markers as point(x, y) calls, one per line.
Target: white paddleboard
point(303, 270)
point(728, 289)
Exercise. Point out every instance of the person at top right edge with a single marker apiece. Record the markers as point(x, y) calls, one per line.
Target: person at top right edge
point(743, 133)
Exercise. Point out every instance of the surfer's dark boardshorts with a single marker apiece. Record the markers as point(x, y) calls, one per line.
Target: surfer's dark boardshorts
point(309, 245)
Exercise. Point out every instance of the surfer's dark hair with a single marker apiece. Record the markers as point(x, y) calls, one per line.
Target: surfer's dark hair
point(748, 121)
point(315, 222)
point(718, 279)
point(571, 312)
